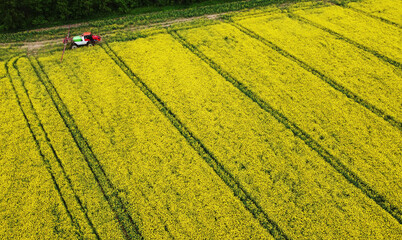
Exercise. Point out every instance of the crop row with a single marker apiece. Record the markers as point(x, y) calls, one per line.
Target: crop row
point(260, 72)
point(91, 197)
point(55, 173)
point(388, 11)
point(111, 25)
point(127, 224)
point(277, 8)
point(362, 73)
point(196, 144)
point(350, 94)
point(276, 168)
point(171, 191)
point(3, 72)
point(340, 22)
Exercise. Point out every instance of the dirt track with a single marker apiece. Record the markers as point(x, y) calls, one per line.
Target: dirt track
point(34, 46)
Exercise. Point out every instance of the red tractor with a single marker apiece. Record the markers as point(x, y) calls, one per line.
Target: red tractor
point(86, 39)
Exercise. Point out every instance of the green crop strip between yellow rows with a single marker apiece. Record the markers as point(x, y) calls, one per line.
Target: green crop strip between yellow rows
point(325, 78)
point(128, 226)
point(33, 123)
point(333, 161)
point(250, 204)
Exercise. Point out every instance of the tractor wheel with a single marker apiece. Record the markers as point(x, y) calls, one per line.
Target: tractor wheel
point(74, 46)
point(90, 44)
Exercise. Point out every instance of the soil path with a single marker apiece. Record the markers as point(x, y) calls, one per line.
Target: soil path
point(33, 46)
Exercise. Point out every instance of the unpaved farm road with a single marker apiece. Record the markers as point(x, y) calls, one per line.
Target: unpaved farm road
point(36, 45)
point(33, 46)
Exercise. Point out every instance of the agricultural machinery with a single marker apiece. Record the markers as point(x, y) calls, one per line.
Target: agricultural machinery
point(86, 39)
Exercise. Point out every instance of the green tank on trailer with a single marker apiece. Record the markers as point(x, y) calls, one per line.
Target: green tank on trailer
point(86, 39)
point(77, 39)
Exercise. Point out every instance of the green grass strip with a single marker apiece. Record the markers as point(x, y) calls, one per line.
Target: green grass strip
point(298, 132)
point(250, 204)
point(129, 228)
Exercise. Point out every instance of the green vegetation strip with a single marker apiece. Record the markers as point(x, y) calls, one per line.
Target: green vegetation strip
point(328, 157)
point(328, 80)
point(32, 120)
point(126, 222)
point(348, 40)
point(249, 203)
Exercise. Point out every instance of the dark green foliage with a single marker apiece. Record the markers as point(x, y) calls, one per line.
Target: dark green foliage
point(137, 16)
point(25, 14)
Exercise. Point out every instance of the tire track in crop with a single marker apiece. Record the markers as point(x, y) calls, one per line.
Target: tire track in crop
point(349, 175)
point(87, 96)
point(84, 96)
point(380, 113)
point(250, 204)
point(367, 14)
point(33, 120)
point(348, 40)
point(128, 226)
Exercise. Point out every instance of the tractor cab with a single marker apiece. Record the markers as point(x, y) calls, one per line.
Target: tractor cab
point(89, 37)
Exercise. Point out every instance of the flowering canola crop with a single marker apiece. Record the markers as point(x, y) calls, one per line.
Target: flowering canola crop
point(373, 34)
point(169, 189)
point(2, 70)
point(277, 169)
point(30, 204)
point(282, 122)
point(331, 118)
point(385, 9)
point(355, 69)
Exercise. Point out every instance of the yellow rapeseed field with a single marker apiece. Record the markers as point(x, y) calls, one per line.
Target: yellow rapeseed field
point(355, 69)
point(386, 9)
point(329, 117)
point(281, 122)
point(2, 69)
point(31, 207)
point(168, 188)
point(376, 35)
point(275, 167)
